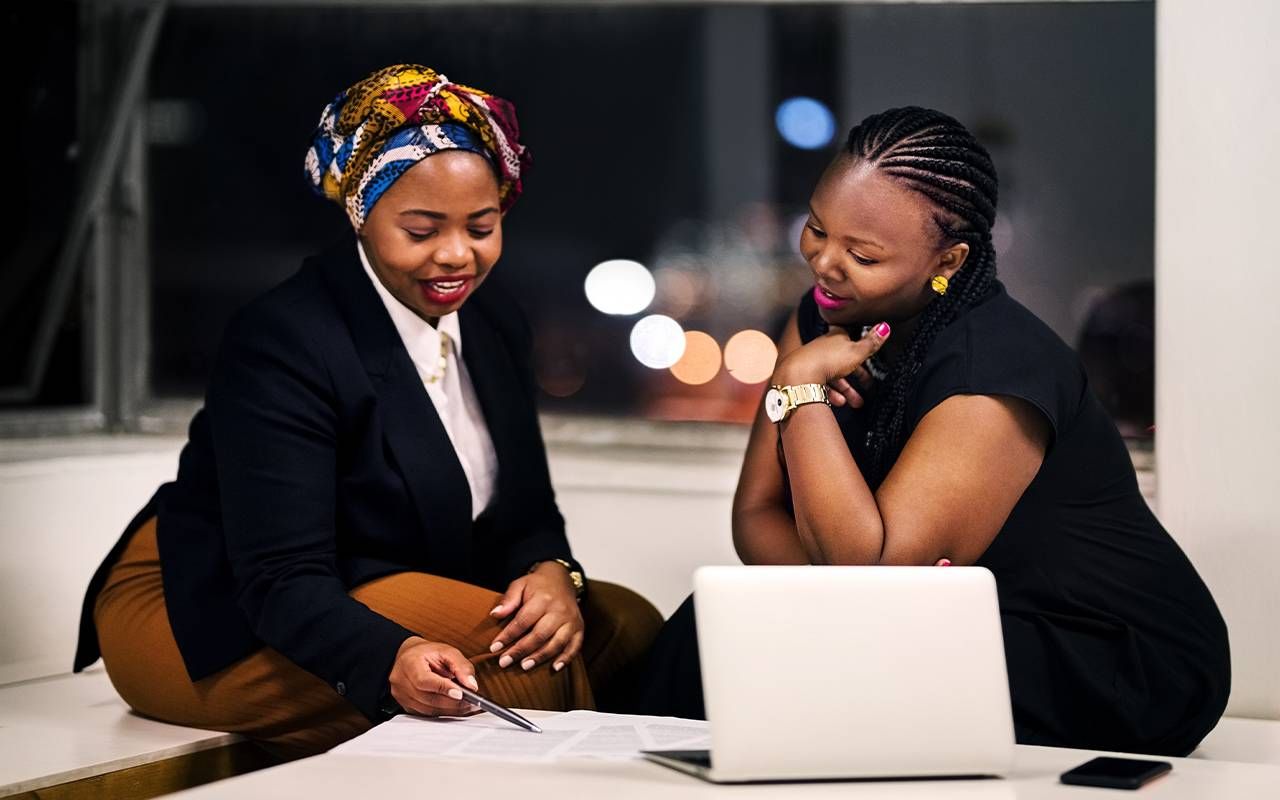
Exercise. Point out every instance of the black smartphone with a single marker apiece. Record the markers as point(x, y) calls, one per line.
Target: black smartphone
point(1115, 773)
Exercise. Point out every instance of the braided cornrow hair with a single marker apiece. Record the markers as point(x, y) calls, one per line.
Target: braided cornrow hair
point(933, 154)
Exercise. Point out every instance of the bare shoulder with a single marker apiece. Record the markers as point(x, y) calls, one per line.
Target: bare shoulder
point(963, 469)
point(987, 417)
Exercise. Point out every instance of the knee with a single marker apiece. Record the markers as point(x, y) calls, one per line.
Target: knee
point(620, 616)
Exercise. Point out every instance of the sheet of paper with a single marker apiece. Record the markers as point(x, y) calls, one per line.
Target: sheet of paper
point(576, 734)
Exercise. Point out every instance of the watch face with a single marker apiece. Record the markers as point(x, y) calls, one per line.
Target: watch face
point(775, 405)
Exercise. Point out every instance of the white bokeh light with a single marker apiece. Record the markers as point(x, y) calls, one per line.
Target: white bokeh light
point(620, 287)
point(657, 341)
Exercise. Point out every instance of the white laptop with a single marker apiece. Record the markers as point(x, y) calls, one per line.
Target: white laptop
point(821, 673)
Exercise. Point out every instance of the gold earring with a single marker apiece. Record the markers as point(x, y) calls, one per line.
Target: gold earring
point(939, 284)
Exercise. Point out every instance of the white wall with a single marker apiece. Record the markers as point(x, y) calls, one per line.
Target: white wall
point(641, 516)
point(1218, 328)
point(59, 515)
point(646, 518)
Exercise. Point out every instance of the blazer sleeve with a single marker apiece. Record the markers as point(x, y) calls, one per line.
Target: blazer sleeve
point(274, 427)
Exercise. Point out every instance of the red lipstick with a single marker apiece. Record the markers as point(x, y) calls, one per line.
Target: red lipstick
point(446, 291)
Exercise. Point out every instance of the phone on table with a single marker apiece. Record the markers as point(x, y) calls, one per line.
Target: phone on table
point(1115, 773)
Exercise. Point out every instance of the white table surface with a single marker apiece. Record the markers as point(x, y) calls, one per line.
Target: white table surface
point(1035, 776)
point(1240, 739)
point(71, 727)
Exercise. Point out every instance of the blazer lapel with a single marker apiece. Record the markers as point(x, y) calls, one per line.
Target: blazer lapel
point(412, 427)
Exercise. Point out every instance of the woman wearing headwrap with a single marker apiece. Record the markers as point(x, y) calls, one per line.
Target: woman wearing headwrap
point(363, 519)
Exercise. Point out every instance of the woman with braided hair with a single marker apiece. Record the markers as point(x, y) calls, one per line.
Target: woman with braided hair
point(920, 415)
point(363, 521)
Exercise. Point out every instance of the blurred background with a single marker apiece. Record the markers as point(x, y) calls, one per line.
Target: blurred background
point(154, 151)
point(157, 156)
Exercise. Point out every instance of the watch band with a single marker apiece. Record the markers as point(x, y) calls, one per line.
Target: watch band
point(782, 400)
point(803, 393)
point(576, 577)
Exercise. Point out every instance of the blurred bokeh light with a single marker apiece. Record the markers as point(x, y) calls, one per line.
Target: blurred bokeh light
point(678, 291)
point(620, 287)
point(657, 341)
point(701, 360)
point(750, 355)
point(805, 123)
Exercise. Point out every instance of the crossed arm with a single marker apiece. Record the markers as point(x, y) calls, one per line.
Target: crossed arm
point(960, 473)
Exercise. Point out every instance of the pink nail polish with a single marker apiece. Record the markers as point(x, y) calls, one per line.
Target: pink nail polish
point(882, 330)
point(505, 661)
point(944, 562)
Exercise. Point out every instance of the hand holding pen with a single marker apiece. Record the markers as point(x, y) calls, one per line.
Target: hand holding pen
point(433, 679)
point(427, 677)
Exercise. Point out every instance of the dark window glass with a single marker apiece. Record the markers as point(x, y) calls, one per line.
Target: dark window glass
point(42, 149)
point(656, 138)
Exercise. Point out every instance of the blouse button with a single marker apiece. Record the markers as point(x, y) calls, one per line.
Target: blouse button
point(341, 687)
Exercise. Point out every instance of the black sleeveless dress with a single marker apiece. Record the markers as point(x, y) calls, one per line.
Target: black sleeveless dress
point(1112, 640)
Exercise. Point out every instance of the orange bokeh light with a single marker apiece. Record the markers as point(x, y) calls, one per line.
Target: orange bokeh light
point(750, 355)
point(701, 360)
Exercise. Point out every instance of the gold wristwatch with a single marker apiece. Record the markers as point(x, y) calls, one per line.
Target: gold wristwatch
point(780, 401)
point(575, 575)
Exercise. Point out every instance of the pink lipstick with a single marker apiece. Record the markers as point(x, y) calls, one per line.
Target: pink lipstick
point(827, 300)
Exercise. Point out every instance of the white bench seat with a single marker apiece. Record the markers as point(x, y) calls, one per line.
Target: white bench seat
point(69, 728)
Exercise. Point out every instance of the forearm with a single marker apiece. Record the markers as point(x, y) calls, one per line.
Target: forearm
point(767, 535)
point(312, 621)
point(836, 515)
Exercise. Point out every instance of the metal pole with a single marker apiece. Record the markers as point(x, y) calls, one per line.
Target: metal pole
point(103, 168)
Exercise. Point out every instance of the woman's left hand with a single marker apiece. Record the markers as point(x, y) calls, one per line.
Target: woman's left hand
point(547, 623)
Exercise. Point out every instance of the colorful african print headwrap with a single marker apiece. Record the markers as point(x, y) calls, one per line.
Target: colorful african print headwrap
point(376, 130)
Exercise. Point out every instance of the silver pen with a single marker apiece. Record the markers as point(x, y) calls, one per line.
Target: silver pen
point(499, 711)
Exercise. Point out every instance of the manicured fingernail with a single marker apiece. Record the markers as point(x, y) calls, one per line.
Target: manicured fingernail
point(456, 694)
point(527, 664)
point(495, 610)
point(470, 681)
point(559, 665)
point(496, 646)
point(944, 562)
point(505, 661)
point(882, 330)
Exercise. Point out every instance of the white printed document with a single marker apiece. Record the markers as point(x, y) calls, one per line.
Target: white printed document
point(575, 734)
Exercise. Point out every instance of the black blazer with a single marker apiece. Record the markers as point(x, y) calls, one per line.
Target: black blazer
point(319, 463)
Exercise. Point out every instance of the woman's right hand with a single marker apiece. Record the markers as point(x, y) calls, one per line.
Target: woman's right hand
point(829, 358)
point(425, 677)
